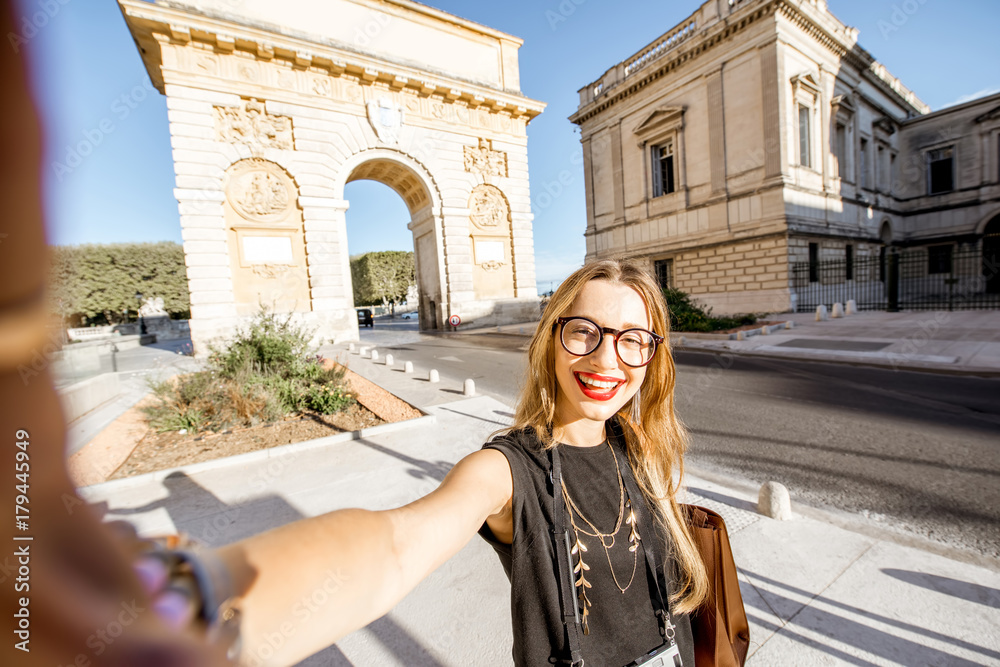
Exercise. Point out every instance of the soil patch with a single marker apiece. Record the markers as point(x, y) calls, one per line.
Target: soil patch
point(158, 451)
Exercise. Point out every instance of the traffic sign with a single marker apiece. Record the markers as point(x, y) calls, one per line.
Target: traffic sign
point(454, 320)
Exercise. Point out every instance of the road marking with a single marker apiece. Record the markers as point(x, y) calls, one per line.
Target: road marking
point(456, 359)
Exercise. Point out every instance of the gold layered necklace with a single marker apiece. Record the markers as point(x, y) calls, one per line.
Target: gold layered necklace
point(607, 541)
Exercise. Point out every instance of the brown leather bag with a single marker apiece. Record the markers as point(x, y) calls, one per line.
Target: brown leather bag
point(720, 628)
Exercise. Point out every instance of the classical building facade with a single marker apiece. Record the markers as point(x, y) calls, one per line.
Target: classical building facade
point(757, 136)
point(275, 107)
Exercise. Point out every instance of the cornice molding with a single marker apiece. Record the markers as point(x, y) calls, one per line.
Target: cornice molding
point(154, 25)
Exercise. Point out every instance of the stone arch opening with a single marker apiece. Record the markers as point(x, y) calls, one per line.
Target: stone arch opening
point(401, 175)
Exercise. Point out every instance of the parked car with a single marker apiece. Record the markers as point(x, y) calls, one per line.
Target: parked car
point(409, 316)
point(365, 318)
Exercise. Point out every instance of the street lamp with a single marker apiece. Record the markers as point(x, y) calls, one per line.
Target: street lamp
point(142, 322)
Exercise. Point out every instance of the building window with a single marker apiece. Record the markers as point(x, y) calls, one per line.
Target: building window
point(840, 148)
point(663, 169)
point(939, 258)
point(814, 262)
point(804, 144)
point(940, 171)
point(879, 172)
point(664, 269)
point(863, 163)
point(849, 261)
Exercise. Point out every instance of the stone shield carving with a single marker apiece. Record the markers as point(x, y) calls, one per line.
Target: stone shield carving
point(260, 191)
point(386, 118)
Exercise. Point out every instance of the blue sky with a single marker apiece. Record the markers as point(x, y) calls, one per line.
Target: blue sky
point(91, 87)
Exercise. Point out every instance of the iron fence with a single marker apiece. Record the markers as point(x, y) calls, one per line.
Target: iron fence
point(939, 277)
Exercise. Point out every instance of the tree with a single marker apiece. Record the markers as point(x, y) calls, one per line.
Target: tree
point(381, 278)
point(99, 282)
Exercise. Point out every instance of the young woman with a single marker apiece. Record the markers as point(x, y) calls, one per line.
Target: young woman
point(597, 404)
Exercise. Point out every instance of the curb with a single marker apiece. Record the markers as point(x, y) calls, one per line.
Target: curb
point(259, 455)
point(849, 521)
point(851, 359)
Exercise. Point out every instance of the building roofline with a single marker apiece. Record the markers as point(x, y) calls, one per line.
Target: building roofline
point(180, 23)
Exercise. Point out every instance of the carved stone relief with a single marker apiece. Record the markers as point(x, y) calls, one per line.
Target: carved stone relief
point(270, 271)
point(260, 191)
point(386, 117)
point(253, 126)
point(489, 208)
point(484, 160)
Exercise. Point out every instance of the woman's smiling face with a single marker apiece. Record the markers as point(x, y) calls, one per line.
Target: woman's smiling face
point(595, 386)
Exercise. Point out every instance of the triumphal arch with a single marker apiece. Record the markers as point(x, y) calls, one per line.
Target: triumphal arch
point(275, 107)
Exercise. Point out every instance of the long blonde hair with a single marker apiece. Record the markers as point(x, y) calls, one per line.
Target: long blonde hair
point(656, 444)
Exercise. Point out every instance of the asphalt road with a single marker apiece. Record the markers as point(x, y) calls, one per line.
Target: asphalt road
point(912, 452)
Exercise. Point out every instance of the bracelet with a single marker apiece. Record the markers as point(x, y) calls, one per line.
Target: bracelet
point(199, 575)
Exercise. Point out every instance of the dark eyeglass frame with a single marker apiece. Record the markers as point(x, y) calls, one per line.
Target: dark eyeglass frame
point(617, 333)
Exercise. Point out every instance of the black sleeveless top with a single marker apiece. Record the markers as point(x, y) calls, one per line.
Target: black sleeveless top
point(623, 626)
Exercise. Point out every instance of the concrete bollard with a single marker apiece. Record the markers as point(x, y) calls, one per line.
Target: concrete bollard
point(851, 308)
point(789, 324)
point(388, 360)
point(469, 388)
point(764, 330)
point(774, 502)
point(350, 347)
point(683, 341)
point(364, 351)
point(821, 314)
point(433, 376)
point(408, 367)
point(374, 355)
point(740, 335)
point(838, 310)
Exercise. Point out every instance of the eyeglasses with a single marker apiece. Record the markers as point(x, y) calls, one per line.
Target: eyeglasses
point(634, 347)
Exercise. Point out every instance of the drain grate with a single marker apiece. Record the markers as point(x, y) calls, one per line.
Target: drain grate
point(835, 344)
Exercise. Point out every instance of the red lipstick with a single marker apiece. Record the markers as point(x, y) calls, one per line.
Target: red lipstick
point(598, 394)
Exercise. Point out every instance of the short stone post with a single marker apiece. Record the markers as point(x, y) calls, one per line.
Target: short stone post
point(789, 324)
point(774, 501)
point(374, 355)
point(764, 330)
point(408, 367)
point(838, 310)
point(433, 376)
point(469, 388)
point(388, 360)
point(821, 314)
point(364, 351)
point(740, 335)
point(350, 347)
point(851, 308)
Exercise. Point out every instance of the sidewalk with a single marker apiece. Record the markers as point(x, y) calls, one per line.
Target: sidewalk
point(815, 592)
point(966, 341)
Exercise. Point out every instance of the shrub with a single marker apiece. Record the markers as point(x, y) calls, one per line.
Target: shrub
point(686, 315)
point(266, 372)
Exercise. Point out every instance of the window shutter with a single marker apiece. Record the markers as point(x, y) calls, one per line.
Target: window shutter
point(657, 175)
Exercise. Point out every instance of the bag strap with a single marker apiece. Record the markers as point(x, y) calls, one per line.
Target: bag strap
point(564, 562)
point(635, 496)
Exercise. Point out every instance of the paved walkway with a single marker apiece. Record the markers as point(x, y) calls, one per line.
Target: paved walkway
point(819, 589)
point(965, 341)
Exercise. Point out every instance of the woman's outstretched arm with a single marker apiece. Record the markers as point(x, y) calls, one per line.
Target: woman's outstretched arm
point(309, 583)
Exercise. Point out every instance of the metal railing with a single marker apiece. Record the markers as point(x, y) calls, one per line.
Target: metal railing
point(928, 278)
